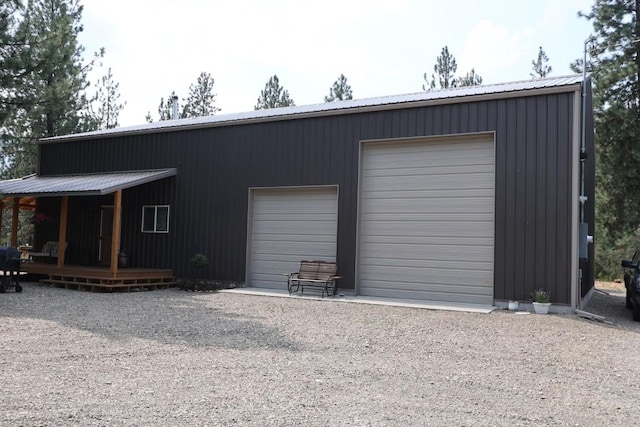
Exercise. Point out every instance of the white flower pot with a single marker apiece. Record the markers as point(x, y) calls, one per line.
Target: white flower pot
point(541, 307)
point(514, 305)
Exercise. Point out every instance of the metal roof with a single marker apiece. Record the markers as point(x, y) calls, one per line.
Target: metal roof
point(80, 184)
point(460, 94)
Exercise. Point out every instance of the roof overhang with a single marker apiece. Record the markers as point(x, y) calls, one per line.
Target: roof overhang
point(95, 184)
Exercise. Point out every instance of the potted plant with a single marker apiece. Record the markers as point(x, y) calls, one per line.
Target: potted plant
point(541, 301)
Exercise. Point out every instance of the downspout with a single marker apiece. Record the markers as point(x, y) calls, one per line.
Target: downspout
point(583, 229)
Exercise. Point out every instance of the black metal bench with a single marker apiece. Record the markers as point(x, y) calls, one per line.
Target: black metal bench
point(315, 274)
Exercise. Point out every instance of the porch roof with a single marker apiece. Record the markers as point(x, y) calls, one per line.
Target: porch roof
point(94, 184)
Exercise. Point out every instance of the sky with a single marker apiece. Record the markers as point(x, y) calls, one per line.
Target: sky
point(383, 47)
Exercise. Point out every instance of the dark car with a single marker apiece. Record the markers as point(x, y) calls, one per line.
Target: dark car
point(632, 283)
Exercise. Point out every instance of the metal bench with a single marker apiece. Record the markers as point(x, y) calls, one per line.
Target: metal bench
point(315, 274)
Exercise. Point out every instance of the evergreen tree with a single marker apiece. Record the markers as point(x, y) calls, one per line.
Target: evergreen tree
point(340, 90)
point(614, 65)
point(444, 73)
point(109, 107)
point(445, 68)
point(51, 86)
point(12, 58)
point(539, 66)
point(273, 95)
point(165, 109)
point(470, 79)
point(201, 100)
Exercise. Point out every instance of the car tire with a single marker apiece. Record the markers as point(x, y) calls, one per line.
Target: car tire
point(628, 301)
point(636, 313)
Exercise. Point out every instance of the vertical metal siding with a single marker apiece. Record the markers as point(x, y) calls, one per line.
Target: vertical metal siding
point(216, 166)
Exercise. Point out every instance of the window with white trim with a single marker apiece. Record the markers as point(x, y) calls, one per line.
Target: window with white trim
point(155, 219)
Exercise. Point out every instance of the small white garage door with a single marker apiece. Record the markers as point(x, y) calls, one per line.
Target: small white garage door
point(427, 220)
point(288, 226)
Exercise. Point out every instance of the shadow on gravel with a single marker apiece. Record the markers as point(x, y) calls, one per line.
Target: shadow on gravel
point(611, 304)
point(169, 316)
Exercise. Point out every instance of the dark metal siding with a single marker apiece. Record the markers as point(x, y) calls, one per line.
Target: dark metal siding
point(217, 166)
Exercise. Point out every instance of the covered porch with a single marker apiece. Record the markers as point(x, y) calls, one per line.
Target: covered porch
point(106, 275)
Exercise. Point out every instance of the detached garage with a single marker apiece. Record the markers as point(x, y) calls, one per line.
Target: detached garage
point(460, 195)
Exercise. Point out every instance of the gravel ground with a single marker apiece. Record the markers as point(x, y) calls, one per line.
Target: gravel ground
point(175, 358)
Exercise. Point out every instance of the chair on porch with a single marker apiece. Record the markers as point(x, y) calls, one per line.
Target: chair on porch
point(49, 252)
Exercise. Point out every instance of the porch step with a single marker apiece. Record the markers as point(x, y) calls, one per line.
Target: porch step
point(102, 284)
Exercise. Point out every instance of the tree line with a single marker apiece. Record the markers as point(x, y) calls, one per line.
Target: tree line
point(201, 99)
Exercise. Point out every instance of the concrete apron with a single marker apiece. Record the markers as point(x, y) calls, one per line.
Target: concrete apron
point(345, 298)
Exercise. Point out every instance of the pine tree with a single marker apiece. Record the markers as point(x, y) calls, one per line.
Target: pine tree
point(614, 65)
point(201, 100)
point(340, 90)
point(444, 74)
point(109, 107)
point(470, 79)
point(539, 66)
point(445, 68)
point(12, 58)
point(52, 84)
point(273, 95)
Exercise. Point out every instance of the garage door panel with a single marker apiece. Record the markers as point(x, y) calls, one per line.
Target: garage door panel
point(303, 207)
point(276, 227)
point(426, 210)
point(436, 169)
point(424, 150)
point(437, 281)
point(293, 248)
point(432, 205)
point(293, 216)
point(465, 241)
point(430, 217)
point(427, 229)
point(454, 263)
point(453, 193)
point(467, 298)
point(288, 226)
point(275, 237)
point(429, 252)
point(437, 287)
point(390, 160)
point(415, 182)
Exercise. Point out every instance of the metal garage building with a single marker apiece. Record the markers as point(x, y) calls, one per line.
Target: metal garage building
point(464, 195)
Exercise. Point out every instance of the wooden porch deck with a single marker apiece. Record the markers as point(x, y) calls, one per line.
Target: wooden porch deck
point(101, 279)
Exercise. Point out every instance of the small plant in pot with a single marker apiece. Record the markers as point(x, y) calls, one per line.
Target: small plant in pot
point(541, 301)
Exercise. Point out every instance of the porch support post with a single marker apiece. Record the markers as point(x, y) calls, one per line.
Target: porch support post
point(115, 237)
point(62, 239)
point(14, 222)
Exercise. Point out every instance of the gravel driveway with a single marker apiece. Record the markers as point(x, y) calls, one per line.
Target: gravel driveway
point(175, 358)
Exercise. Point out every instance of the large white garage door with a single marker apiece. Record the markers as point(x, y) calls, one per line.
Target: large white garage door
point(427, 220)
point(288, 226)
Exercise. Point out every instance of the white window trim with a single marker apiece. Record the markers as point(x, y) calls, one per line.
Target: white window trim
point(155, 219)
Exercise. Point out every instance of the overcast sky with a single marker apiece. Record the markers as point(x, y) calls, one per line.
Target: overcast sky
point(383, 47)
